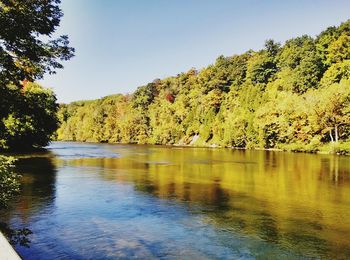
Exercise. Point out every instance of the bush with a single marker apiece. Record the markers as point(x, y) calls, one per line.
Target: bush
point(9, 181)
point(336, 148)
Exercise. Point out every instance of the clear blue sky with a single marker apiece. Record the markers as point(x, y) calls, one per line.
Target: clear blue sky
point(122, 44)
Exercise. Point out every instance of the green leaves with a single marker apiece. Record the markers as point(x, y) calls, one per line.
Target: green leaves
point(261, 67)
point(29, 119)
point(24, 54)
point(287, 96)
point(299, 64)
point(9, 181)
point(339, 50)
point(28, 51)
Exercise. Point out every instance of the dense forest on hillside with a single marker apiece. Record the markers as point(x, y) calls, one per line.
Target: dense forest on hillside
point(294, 96)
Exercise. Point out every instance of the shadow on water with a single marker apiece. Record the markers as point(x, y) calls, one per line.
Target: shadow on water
point(38, 175)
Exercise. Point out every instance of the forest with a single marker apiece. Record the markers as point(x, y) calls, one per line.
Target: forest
point(294, 96)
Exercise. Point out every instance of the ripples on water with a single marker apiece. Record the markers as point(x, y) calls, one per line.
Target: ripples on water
point(93, 201)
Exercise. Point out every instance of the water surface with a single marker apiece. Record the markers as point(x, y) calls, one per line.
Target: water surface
point(101, 201)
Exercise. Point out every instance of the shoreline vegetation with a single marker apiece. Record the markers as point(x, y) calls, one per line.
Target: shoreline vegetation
point(336, 149)
point(28, 112)
point(291, 97)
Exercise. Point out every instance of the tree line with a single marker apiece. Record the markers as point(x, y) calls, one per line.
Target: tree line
point(294, 96)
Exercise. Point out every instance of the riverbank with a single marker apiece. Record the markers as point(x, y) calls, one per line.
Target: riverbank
point(340, 148)
point(6, 250)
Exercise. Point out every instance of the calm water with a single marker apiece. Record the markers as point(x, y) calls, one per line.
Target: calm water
point(100, 201)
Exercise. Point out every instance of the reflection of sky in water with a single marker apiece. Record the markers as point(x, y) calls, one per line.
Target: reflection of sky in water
point(96, 201)
point(77, 150)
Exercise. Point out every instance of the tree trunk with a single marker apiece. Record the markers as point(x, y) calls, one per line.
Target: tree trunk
point(336, 133)
point(330, 134)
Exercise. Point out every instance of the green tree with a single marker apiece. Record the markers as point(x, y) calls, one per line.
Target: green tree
point(332, 110)
point(336, 72)
point(260, 68)
point(300, 65)
point(339, 50)
point(24, 54)
point(28, 51)
point(32, 119)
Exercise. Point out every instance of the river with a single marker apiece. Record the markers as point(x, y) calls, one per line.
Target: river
point(105, 201)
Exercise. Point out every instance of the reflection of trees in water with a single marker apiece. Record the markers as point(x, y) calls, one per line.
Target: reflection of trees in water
point(39, 177)
point(283, 198)
point(285, 204)
point(267, 227)
point(309, 242)
point(336, 169)
point(253, 218)
point(16, 236)
point(37, 191)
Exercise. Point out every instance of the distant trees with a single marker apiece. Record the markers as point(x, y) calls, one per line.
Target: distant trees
point(300, 65)
point(293, 96)
point(333, 110)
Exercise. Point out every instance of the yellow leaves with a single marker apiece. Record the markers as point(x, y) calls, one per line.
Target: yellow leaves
point(339, 49)
point(4, 7)
point(336, 72)
point(25, 64)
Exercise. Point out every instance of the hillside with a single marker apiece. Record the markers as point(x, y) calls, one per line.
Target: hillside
point(294, 96)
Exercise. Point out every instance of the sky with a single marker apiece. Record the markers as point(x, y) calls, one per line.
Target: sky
point(123, 44)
